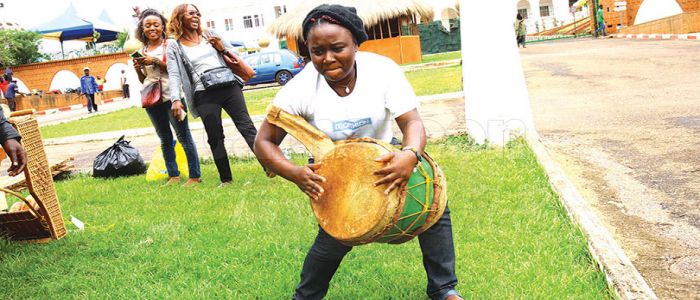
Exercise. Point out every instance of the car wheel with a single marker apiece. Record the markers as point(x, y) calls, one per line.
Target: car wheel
point(283, 77)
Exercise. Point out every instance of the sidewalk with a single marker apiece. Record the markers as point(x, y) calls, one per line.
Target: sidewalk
point(113, 135)
point(78, 112)
point(439, 112)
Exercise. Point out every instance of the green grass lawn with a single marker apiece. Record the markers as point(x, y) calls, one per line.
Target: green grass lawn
point(436, 81)
point(442, 56)
point(424, 82)
point(513, 239)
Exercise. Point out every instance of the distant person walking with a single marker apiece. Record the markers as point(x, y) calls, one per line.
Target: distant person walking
point(125, 85)
point(520, 30)
point(601, 22)
point(10, 95)
point(88, 87)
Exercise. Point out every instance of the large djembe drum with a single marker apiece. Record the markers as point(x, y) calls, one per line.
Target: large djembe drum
point(352, 209)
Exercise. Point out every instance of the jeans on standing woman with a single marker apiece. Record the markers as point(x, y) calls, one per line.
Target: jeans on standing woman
point(209, 105)
point(162, 118)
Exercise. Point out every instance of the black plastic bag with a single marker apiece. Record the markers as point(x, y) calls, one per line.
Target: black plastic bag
point(120, 159)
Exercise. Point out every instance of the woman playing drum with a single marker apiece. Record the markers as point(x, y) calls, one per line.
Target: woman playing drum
point(351, 94)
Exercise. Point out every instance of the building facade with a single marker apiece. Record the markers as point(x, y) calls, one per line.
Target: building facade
point(245, 22)
point(541, 15)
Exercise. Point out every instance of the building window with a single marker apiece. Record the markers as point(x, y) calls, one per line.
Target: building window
point(228, 23)
point(247, 22)
point(544, 11)
point(523, 12)
point(259, 21)
point(210, 24)
point(280, 10)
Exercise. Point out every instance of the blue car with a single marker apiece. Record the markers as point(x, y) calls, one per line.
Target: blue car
point(274, 66)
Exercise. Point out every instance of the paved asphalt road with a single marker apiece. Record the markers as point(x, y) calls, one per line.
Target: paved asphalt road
point(622, 117)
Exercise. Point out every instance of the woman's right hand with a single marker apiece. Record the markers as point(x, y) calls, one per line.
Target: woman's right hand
point(308, 181)
point(138, 63)
point(176, 107)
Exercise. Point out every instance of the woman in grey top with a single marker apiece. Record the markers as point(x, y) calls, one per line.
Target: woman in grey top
point(203, 51)
point(151, 68)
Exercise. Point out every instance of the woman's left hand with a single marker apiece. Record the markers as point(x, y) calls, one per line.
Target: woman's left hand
point(216, 42)
point(400, 168)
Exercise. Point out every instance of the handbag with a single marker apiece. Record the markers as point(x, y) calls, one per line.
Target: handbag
point(218, 77)
point(151, 94)
point(211, 79)
point(238, 65)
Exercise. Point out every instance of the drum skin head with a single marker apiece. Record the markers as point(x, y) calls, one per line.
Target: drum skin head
point(351, 206)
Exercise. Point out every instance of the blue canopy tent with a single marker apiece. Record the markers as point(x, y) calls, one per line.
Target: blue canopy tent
point(69, 26)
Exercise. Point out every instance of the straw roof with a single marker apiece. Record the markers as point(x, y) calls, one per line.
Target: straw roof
point(371, 12)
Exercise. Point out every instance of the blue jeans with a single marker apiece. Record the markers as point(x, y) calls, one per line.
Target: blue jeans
point(436, 243)
point(601, 27)
point(162, 119)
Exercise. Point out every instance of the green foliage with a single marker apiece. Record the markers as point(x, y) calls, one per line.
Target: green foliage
point(143, 240)
point(121, 38)
point(19, 47)
point(435, 38)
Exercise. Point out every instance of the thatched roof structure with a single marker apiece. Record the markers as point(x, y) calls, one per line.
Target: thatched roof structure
point(370, 11)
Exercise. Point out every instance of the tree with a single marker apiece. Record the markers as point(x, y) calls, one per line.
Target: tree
point(121, 38)
point(19, 47)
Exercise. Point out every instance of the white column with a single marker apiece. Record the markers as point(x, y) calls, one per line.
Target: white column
point(534, 16)
point(496, 100)
point(562, 10)
point(535, 9)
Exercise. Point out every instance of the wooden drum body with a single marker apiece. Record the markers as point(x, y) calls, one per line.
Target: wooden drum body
point(352, 209)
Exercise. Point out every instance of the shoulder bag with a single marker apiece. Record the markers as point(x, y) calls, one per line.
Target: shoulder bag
point(211, 79)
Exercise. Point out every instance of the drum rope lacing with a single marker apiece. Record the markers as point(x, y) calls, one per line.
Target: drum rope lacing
point(425, 209)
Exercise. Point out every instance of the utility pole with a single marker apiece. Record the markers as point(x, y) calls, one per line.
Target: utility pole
point(573, 12)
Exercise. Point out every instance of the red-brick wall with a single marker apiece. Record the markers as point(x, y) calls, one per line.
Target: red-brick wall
point(612, 18)
point(38, 76)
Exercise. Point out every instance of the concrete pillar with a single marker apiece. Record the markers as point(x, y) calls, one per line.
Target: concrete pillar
point(497, 105)
point(534, 16)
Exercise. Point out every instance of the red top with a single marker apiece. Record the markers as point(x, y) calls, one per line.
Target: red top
point(4, 85)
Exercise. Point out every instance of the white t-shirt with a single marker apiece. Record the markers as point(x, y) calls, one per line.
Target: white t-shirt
point(203, 58)
point(382, 93)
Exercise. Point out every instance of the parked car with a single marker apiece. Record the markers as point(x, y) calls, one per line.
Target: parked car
point(274, 66)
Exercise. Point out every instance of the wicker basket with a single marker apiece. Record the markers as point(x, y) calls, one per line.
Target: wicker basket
point(31, 225)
